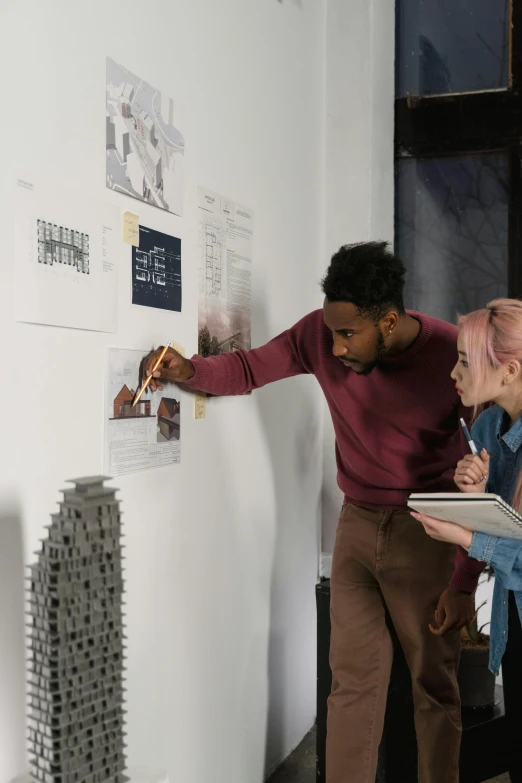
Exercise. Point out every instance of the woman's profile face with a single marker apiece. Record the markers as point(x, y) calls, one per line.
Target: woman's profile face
point(471, 392)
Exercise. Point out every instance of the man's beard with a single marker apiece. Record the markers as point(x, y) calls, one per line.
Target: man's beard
point(380, 350)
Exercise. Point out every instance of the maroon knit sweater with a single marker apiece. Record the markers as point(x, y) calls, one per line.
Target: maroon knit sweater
point(396, 428)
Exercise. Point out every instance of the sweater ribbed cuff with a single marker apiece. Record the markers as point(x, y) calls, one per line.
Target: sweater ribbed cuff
point(200, 375)
point(467, 572)
point(463, 582)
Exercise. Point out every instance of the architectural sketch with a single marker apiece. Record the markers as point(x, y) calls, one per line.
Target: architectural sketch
point(146, 436)
point(213, 259)
point(225, 243)
point(61, 245)
point(169, 419)
point(65, 244)
point(76, 635)
point(156, 270)
point(145, 143)
point(123, 405)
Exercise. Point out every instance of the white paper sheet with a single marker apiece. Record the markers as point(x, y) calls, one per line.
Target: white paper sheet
point(143, 437)
point(225, 247)
point(145, 145)
point(66, 250)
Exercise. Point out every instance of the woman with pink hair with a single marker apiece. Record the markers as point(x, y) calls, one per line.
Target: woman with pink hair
point(489, 370)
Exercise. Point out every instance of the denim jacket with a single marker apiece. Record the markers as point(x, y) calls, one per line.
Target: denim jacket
point(504, 447)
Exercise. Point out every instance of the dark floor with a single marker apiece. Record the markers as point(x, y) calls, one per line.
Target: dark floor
point(300, 766)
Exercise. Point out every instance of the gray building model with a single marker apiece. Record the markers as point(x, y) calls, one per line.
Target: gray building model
point(76, 668)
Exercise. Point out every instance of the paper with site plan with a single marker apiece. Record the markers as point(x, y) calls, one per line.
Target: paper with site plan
point(66, 248)
point(225, 235)
point(146, 435)
point(145, 145)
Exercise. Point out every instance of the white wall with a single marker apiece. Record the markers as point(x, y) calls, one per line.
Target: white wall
point(222, 549)
point(359, 162)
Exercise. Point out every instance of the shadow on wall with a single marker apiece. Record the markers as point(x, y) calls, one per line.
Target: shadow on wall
point(12, 644)
point(295, 552)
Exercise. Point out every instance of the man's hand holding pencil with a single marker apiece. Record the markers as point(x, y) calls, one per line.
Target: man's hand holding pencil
point(172, 368)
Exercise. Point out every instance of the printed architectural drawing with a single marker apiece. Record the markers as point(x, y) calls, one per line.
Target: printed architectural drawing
point(213, 256)
point(145, 143)
point(61, 245)
point(156, 270)
point(231, 344)
point(123, 405)
point(169, 418)
point(66, 244)
point(76, 668)
point(213, 284)
point(150, 267)
point(146, 436)
point(225, 245)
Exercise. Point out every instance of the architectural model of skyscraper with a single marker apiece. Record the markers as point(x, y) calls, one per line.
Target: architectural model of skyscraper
point(76, 680)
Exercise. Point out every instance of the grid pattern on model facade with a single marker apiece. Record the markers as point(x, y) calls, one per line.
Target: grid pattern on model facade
point(76, 665)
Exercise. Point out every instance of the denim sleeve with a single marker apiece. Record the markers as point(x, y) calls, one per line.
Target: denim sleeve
point(504, 554)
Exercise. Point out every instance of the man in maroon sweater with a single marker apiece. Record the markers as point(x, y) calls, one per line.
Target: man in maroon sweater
point(385, 373)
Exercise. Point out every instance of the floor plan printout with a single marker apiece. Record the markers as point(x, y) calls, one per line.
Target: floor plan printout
point(145, 145)
point(146, 435)
point(225, 274)
point(156, 270)
point(65, 249)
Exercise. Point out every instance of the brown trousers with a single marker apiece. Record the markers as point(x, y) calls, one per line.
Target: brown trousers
point(384, 558)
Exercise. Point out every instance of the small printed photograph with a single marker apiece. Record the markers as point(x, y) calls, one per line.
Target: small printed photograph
point(168, 419)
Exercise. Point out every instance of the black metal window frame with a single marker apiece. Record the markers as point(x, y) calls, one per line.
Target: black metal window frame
point(474, 123)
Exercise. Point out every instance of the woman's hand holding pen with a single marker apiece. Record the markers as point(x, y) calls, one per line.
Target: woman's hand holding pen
point(472, 472)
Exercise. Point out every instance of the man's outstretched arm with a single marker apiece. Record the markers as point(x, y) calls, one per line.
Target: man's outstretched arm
point(241, 371)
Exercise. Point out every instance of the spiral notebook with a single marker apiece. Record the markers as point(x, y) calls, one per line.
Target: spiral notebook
point(479, 512)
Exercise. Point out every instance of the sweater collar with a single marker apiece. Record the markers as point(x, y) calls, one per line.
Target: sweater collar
point(417, 345)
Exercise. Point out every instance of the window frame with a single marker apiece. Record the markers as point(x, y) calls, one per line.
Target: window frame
point(470, 123)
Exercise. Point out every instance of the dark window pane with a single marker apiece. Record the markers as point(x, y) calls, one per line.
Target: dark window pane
point(451, 231)
point(451, 46)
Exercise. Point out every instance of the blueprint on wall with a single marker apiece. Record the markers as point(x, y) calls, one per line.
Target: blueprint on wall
point(144, 141)
point(156, 270)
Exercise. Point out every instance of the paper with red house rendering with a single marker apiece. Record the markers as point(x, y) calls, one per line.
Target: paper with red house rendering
point(146, 435)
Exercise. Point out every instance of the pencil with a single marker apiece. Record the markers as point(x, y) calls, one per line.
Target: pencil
point(149, 378)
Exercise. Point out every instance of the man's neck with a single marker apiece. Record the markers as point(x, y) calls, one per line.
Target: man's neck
point(407, 331)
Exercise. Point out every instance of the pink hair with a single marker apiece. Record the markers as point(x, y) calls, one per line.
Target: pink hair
point(492, 337)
